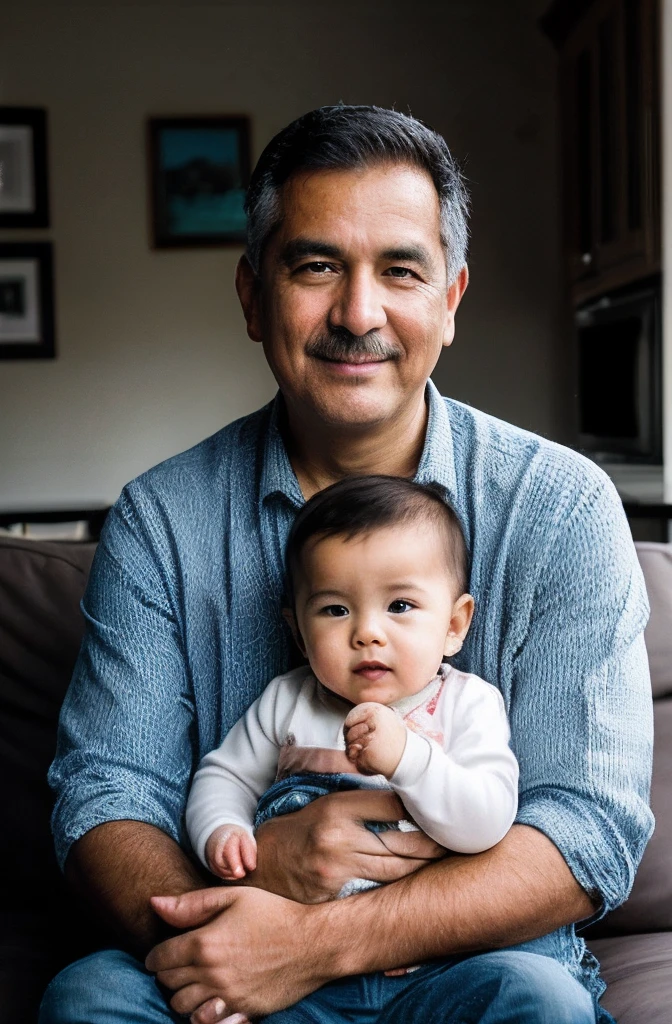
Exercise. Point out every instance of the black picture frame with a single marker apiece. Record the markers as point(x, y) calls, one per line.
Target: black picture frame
point(27, 324)
point(199, 169)
point(24, 192)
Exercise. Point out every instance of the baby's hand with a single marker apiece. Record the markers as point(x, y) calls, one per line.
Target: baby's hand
point(375, 738)
point(231, 852)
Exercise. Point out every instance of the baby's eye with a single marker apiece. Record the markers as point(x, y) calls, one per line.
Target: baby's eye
point(400, 606)
point(336, 611)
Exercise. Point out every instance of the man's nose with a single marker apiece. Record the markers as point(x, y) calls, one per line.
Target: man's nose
point(358, 304)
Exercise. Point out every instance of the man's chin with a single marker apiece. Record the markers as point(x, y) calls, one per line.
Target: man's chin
point(355, 420)
point(350, 407)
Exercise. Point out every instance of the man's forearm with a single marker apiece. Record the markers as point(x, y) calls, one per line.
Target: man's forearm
point(517, 891)
point(119, 865)
point(261, 952)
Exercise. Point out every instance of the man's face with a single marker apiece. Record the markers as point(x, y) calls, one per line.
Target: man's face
point(353, 306)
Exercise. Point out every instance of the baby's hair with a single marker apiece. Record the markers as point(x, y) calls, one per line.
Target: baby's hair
point(359, 504)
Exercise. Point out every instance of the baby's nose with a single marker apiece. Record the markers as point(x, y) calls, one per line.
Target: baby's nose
point(369, 634)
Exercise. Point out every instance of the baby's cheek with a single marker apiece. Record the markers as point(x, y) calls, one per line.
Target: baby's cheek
point(326, 659)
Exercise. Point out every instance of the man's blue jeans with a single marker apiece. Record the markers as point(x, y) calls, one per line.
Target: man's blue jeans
point(503, 987)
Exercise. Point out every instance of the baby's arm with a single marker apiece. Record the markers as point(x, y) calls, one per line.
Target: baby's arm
point(230, 779)
point(231, 851)
point(465, 796)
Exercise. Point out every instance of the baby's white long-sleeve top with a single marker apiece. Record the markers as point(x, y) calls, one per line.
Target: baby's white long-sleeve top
point(457, 778)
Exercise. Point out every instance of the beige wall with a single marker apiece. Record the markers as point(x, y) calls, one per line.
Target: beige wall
point(152, 351)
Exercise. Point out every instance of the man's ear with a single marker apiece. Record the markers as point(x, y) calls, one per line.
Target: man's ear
point(453, 297)
point(460, 620)
point(249, 293)
point(290, 618)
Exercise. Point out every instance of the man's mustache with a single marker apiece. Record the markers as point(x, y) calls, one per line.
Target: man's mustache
point(339, 345)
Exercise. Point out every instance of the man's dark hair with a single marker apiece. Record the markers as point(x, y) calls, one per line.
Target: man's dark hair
point(359, 504)
point(346, 137)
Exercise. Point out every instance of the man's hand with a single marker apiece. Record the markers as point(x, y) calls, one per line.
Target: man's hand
point(250, 950)
point(257, 952)
point(308, 856)
point(375, 738)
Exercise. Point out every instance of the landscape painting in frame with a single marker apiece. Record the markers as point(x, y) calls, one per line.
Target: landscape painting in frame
point(199, 171)
point(24, 200)
point(26, 301)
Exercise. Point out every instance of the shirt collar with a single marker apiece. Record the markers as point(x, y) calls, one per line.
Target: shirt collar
point(277, 475)
point(405, 705)
point(437, 464)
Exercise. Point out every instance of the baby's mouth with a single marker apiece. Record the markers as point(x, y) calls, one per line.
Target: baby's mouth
point(371, 670)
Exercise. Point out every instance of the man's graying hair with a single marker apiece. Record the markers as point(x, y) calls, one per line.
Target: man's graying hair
point(347, 137)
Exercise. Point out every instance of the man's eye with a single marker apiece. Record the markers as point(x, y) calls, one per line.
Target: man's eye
point(400, 272)
point(335, 611)
point(400, 606)
point(316, 267)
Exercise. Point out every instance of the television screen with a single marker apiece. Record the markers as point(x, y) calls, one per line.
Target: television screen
point(619, 378)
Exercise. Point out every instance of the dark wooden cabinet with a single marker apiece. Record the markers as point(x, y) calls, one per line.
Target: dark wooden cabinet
point(609, 102)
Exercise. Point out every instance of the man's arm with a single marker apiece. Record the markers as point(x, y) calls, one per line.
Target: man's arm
point(119, 865)
point(260, 952)
point(124, 754)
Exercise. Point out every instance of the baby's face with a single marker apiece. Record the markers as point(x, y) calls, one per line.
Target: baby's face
point(375, 612)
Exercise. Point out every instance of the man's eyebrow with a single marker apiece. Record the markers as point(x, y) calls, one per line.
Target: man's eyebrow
point(410, 254)
point(299, 248)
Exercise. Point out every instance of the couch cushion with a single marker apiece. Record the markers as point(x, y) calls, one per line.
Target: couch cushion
point(41, 626)
point(41, 584)
point(638, 973)
point(656, 562)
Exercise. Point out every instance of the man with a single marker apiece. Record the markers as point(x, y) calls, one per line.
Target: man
point(354, 270)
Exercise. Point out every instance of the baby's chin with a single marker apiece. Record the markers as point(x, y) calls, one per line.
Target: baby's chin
point(367, 694)
point(335, 691)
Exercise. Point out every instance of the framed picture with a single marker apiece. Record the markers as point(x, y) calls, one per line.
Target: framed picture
point(199, 170)
point(26, 300)
point(24, 199)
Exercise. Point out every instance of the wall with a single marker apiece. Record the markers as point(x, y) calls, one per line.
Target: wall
point(153, 355)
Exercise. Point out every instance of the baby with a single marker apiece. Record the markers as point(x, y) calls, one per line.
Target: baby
point(377, 570)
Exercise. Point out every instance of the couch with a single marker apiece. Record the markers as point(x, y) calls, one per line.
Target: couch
point(42, 924)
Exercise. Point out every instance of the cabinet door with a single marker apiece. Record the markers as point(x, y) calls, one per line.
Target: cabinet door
point(627, 147)
point(610, 146)
point(579, 120)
